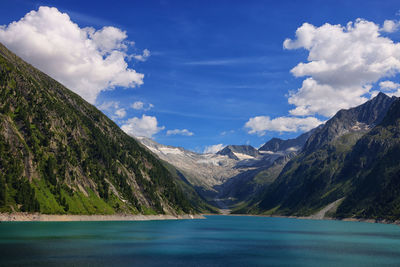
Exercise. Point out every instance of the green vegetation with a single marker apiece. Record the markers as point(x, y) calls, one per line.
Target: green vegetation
point(59, 154)
point(361, 167)
point(374, 164)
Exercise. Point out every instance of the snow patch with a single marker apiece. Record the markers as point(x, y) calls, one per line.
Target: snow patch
point(266, 152)
point(169, 150)
point(242, 156)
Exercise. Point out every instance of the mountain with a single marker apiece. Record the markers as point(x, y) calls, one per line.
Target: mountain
point(326, 171)
point(231, 176)
point(202, 171)
point(361, 118)
point(59, 154)
point(374, 165)
point(295, 144)
point(239, 152)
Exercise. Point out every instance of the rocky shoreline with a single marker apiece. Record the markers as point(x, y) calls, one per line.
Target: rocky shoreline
point(37, 217)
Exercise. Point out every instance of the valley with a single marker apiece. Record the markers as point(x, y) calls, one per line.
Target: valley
point(69, 158)
point(314, 175)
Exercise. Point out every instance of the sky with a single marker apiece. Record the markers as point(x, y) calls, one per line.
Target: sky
point(204, 74)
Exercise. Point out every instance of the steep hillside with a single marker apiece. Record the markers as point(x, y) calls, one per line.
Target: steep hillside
point(361, 118)
point(374, 168)
point(59, 154)
point(312, 180)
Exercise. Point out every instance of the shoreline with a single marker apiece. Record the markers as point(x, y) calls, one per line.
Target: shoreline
point(37, 217)
point(384, 221)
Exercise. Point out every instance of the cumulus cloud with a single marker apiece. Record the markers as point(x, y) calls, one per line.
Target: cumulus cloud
point(85, 60)
point(213, 149)
point(343, 64)
point(390, 26)
point(139, 105)
point(261, 124)
point(146, 126)
point(388, 85)
point(185, 132)
point(390, 88)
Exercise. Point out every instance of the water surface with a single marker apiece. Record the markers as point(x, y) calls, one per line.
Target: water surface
point(216, 241)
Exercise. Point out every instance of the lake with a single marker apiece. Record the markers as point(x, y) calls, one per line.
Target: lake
point(215, 241)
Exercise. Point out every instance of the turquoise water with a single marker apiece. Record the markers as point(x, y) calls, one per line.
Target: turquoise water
point(216, 241)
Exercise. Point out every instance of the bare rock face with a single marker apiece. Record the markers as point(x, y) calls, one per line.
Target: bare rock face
point(361, 118)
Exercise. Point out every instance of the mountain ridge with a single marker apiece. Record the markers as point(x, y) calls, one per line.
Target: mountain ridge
point(324, 171)
point(60, 155)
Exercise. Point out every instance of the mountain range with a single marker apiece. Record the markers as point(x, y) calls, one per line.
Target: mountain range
point(347, 167)
point(233, 174)
point(60, 155)
point(335, 161)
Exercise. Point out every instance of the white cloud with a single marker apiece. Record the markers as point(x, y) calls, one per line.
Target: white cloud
point(139, 105)
point(390, 26)
point(213, 149)
point(108, 105)
point(343, 64)
point(388, 85)
point(185, 132)
point(146, 126)
point(142, 57)
point(113, 109)
point(83, 59)
point(323, 99)
point(390, 88)
point(261, 124)
point(120, 113)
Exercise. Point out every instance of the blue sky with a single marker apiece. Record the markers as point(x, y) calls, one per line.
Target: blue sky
point(214, 65)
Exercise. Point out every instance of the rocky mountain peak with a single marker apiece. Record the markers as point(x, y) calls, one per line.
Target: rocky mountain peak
point(360, 118)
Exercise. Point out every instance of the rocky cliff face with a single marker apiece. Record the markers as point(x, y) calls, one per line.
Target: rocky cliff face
point(59, 154)
point(361, 118)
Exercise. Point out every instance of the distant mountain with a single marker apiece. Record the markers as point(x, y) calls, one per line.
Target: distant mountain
point(239, 152)
point(295, 144)
point(230, 176)
point(343, 163)
point(201, 170)
point(59, 154)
